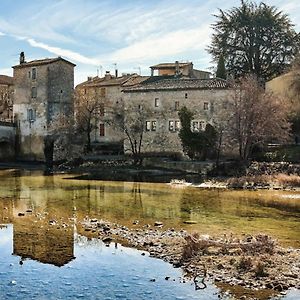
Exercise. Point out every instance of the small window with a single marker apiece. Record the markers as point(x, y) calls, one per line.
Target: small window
point(153, 125)
point(102, 129)
point(148, 125)
point(205, 105)
point(85, 91)
point(102, 92)
point(177, 125)
point(156, 102)
point(176, 105)
point(33, 73)
point(171, 126)
point(201, 125)
point(185, 95)
point(195, 126)
point(140, 107)
point(33, 92)
point(31, 115)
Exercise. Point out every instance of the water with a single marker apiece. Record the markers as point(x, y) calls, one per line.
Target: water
point(97, 272)
point(62, 263)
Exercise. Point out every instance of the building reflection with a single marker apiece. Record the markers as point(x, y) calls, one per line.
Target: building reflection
point(46, 244)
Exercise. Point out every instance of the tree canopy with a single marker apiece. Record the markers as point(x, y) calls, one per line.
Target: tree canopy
point(221, 69)
point(254, 38)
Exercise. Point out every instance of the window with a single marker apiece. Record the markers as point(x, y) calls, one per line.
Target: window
point(176, 105)
point(174, 125)
point(197, 126)
point(140, 107)
point(31, 115)
point(33, 73)
point(102, 129)
point(102, 92)
point(153, 125)
point(185, 95)
point(205, 105)
point(148, 125)
point(156, 102)
point(177, 125)
point(33, 92)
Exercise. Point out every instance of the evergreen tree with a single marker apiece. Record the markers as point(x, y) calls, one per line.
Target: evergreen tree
point(221, 70)
point(254, 38)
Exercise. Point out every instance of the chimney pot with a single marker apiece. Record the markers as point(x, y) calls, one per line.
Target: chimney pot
point(22, 58)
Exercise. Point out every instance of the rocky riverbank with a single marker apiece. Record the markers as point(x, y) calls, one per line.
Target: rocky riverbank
point(251, 262)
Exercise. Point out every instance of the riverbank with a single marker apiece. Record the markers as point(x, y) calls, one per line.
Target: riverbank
point(254, 263)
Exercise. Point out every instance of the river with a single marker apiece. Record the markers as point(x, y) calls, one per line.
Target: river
point(41, 261)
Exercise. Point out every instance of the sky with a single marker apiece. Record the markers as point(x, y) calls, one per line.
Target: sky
point(102, 35)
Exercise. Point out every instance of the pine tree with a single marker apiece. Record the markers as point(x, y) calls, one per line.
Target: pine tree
point(221, 70)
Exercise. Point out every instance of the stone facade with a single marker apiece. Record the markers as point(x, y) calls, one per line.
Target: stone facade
point(161, 99)
point(43, 91)
point(6, 98)
point(107, 92)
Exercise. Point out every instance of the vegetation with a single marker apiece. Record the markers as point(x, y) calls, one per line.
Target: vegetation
point(221, 70)
point(256, 117)
point(254, 38)
point(196, 144)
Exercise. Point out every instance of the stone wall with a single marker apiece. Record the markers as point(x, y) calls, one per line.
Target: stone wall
point(7, 141)
point(206, 104)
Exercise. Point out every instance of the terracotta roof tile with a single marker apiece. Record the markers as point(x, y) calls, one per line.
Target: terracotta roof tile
point(7, 80)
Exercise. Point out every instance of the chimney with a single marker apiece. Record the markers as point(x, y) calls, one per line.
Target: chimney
point(176, 68)
point(22, 58)
point(116, 73)
point(107, 75)
point(90, 78)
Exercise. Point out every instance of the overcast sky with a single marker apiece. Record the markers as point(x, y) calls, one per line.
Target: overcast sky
point(97, 34)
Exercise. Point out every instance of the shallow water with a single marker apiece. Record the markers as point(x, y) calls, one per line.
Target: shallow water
point(63, 264)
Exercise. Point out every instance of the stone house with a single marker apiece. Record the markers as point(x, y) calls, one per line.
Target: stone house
point(158, 100)
point(105, 93)
point(6, 98)
point(43, 91)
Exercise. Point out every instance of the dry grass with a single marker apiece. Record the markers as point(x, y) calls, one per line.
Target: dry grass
point(282, 180)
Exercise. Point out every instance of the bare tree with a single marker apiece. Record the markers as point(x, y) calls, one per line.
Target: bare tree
point(88, 103)
point(257, 117)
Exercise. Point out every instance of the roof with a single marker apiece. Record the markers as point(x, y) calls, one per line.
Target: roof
point(170, 65)
point(44, 61)
point(125, 80)
point(7, 80)
point(157, 84)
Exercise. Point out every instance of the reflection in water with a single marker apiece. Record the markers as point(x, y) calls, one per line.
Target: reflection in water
point(46, 244)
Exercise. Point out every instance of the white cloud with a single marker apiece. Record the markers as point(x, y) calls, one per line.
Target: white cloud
point(2, 34)
point(64, 52)
point(169, 44)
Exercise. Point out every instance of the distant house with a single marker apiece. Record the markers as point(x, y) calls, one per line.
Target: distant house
point(43, 90)
point(160, 99)
point(6, 98)
point(185, 69)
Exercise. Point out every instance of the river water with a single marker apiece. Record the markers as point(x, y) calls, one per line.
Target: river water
point(40, 261)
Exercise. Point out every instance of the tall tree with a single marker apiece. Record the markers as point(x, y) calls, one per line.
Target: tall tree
point(254, 38)
point(221, 69)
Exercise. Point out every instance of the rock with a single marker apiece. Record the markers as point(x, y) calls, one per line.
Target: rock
point(21, 214)
point(94, 220)
point(158, 224)
point(167, 277)
point(107, 240)
point(135, 222)
point(190, 222)
point(29, 210)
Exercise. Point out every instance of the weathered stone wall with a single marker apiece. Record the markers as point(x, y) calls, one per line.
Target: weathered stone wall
point(54, 85)
point(6, 102)
point(206, 104)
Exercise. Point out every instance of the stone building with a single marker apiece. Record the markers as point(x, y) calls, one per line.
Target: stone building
point(104, 95)
point(6, 98)
point(179, 69)
point(158, 100)
point(43, 90)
